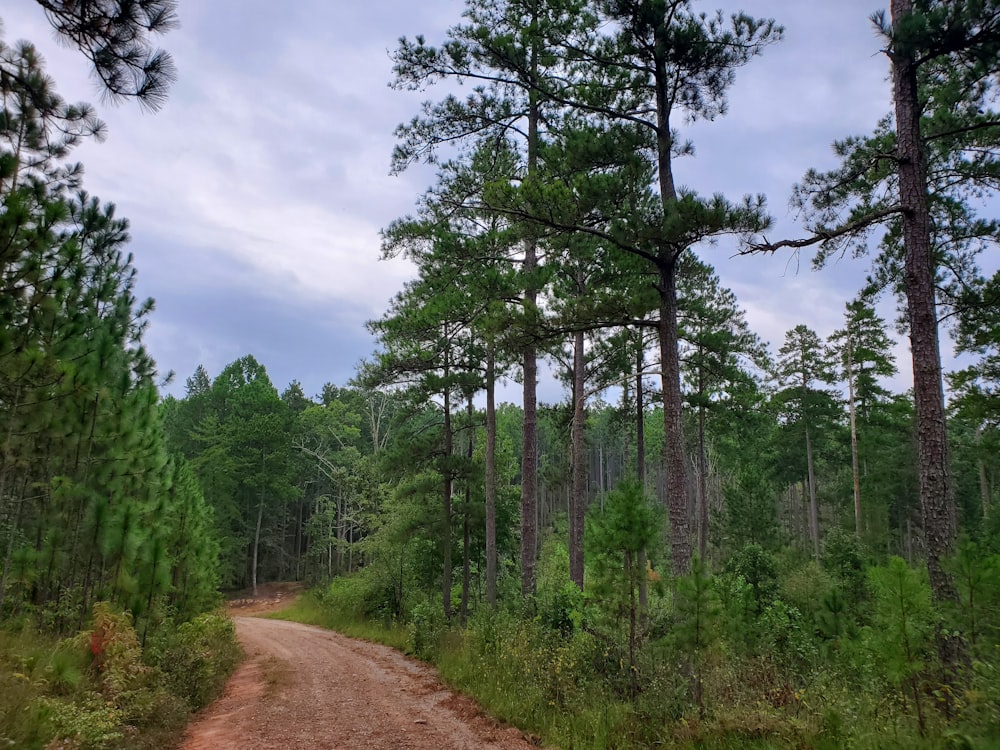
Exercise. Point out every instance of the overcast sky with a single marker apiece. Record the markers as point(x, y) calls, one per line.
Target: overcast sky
point(257, 194)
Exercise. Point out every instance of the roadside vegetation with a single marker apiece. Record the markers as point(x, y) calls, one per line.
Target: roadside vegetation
point(100, 689)
point(770, 654)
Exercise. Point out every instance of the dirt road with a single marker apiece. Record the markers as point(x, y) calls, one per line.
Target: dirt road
point(305, 688)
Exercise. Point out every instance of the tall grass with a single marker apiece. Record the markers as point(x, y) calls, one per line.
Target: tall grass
point(309, 610)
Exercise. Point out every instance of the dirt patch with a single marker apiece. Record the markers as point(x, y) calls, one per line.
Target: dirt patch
point(270, 598)
point(305, 688)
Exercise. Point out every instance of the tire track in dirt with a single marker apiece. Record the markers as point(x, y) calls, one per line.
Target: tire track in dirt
point(306, 688)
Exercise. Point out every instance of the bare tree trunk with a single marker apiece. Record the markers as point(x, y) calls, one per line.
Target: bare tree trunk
point(854, 437)
point(577, 496)
point(936, 493)
point(491, 477)
point(470, 411)
point(673, 431)
point(529, 446)
point(446, 502)
point(640, 461)
point(702, 472)
point(984, 482)
point(813, 503)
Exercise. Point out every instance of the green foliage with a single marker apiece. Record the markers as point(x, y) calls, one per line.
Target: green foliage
point(977, 578)
point(750, 512)
point(425, 628)
point(697, 610)
point(759, 569)
point(903, 625)
point(99, 690)
point(788, 637)
point(844, 558)
point(198, 658)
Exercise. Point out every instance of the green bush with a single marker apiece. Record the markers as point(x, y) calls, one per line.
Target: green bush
point(426, 626)
point(201, 656)
point(100, 691)
point(757, 567)
point(788, 637)
point(844, 558)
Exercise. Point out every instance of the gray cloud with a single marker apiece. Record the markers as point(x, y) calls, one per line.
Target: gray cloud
point(257, 195)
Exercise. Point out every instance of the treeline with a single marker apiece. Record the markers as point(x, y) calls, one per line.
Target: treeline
point(108, 560)
point(92, 505)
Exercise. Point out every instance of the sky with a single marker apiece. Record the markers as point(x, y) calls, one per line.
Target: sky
point(257, 193)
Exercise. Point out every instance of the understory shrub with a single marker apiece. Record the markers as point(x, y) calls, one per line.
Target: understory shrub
point(99, 690)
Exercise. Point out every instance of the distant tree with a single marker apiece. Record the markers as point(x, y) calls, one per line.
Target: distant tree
point(717, 348)
point(863, 348)
point(295, 398)
point(976, 388)
point(803, 367)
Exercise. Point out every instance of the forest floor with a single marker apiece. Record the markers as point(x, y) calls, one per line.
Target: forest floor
point(305, 687)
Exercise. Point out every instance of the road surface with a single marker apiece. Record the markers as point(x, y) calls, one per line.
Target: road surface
point(305, 688)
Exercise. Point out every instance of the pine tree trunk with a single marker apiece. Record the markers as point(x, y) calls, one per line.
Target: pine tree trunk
point(813, 503)
point(673, 443)
point(702, 472)
point(577, 496)
point(256, 546)
point(640, 461)
point(855, 470)
point(470, 411)
point(529, 444)
point(936, 494)
point(446, 502)
point(491, 477)
point(673, 433)
point(984, 482)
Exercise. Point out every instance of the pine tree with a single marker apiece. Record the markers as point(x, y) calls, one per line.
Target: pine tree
point(864, 350)
point(921, 174)
point(803, 367)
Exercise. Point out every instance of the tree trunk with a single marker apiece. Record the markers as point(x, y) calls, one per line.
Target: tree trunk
point(256, 546)
point(984, 482)
point(446, 502)
point(855, 470)
point(813, 503)
point(491, 477)
point(529, 447)
point(673, 433)
point(673, 443)
point(470, 411)
point(577, 496)
point(702, 470)
point(640, 460)
point(936, 493)
point(640, 418)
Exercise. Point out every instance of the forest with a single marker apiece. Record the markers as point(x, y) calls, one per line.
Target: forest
point(706, 542)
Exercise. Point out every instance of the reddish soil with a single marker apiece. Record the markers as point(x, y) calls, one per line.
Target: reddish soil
point(303, 688)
